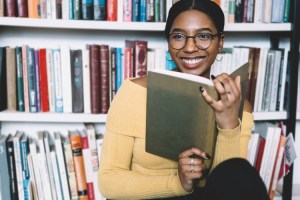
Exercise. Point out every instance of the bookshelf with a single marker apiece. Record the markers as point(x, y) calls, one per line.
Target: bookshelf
point(18, 31)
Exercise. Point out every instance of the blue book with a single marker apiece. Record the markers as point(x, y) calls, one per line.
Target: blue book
point(87, 9)
point(170, 64)
point(71, 9)
point(135, 10)
point(37, 79)
point(143, 8)
point(99, 9)
point(24, 151)
point(119, 68)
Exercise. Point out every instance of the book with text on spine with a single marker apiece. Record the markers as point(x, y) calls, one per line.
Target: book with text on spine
point(178, 117)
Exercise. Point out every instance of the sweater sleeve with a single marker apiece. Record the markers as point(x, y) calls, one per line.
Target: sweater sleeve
point(233, 143)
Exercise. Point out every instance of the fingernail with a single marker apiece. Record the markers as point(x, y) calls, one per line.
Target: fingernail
point(207, 157)
point(201, 89)
point(212, 77)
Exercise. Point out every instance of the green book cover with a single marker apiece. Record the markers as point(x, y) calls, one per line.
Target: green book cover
point(20, 86)
point(178, 117)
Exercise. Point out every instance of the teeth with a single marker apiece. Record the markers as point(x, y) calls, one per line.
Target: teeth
point(191, 61)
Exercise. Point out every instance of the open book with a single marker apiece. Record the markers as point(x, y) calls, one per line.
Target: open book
point(178, 117)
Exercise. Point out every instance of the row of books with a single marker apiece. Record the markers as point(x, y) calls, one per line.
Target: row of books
point(129, 10)
point(272, 152)
point(51, 166)
point(83, 80)
point(257, 11)
point(267, 74)
point(236, 11)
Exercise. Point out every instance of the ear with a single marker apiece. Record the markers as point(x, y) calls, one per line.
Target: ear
point(221, 43)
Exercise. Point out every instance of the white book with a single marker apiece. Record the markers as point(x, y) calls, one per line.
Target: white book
point(70, 168)
point(260, 79)
point(169, 4)
point(57, 80)
point(65, 9)
point(33, 191)
point(275, 80)
point(252, 148)
point(268, 80)
point(43, 9)
point(120, 11)
point(66, 78)
point(36, 168)
point(160, 58)
point(150, 59)
point(48, 9)
point(99, 141)
point(18, 163)
point(59, 193)
point(258, 11)
point(53, 9)
point(267, 11)
point(86, 80)
point(91, 134)
point(269, 155)
point(47, 144)
point(50, 78)
point(45, 177)
point(62, 166)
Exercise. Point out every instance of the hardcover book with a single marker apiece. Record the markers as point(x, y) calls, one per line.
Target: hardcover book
point(178, 117)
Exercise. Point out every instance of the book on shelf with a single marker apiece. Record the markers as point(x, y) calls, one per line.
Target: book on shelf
point(31, 77)
point(66, 78)
point(104, 78)
point(3, 92)
point(176, 110)
point(112, 10)
point(12, 168)
point(86, 79)
point(99, 9)
point(11, 81)
point(95, 78)
point(5, 171)
point(43, 80)
point(20, 81)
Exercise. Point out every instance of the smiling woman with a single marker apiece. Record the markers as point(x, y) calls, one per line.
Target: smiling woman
point(194, 32)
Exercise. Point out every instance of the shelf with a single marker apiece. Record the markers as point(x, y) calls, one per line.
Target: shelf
point(260, 116)
point(130, 26)
point(51, 117)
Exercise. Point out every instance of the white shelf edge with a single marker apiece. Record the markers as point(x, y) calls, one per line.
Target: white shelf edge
point(51, 117)
point(130, 26)
point(260, 116)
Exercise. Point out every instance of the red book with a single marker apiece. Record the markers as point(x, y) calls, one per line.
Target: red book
point(260, 153)
point(139, 56)
point(43, 80)
point(128, 59)
point(22, 8)
point(112, 14)
point(95, 78)
point(10, 8)
point(104, 78)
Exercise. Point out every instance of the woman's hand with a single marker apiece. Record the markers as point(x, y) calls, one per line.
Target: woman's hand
point(227, 107)
point(190, 167)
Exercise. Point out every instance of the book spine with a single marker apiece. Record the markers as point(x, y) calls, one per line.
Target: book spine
point(70, 168)
point(79, 166)
point(59, 105)
point(95, 78)
point(18, 164)
point(22, 8)
point(50, 78)
point(87, 9)
point(77, 81)
point(141, 58)
point(11, 79)
point(65, 9)
point(76, 9)
point(37, 79)
point(286, 13)
point(231, 11)
point(112, 73)
point(24, 147)
point(66, 78)
point(150, 11)
point(119, 68)
point(12, 169)
point(135, 15)
point(3, 94)
point(71, 9)
point(10, 8)
point(127, 11)
point(86, 79)
point(162, 11)
point(112, 13)
point(43, 9)
point(31, 80)
point(43, 82)
point(127, 63)
point(143, 10)
point(4, 174)
point(56, 174)
point(99, 9)
point(157, 11)
point(25, 77)
point(104, 79)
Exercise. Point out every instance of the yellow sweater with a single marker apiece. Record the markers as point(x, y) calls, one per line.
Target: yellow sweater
point(128, 172)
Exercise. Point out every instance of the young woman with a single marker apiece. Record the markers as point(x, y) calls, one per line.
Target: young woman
point(194, 31)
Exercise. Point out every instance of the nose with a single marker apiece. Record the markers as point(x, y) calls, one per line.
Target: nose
point(190, 45)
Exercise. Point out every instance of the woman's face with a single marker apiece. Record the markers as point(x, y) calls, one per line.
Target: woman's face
point(190, 59)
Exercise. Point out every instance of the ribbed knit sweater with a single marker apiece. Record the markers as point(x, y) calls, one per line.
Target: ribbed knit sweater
point(128, 172)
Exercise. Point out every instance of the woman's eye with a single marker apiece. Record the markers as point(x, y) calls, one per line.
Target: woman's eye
point(178, 37)
point(204, 36)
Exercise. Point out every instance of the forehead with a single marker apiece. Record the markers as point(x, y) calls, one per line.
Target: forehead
point(193, 20)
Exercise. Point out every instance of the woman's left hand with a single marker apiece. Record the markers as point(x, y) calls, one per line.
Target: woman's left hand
point(227, 107)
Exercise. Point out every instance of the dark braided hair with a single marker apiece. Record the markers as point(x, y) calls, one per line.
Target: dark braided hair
point(206, 6)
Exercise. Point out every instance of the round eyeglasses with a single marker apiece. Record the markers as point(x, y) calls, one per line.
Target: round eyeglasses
point(202, 40)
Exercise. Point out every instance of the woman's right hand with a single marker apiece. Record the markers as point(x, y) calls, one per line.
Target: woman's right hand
point(190, 167)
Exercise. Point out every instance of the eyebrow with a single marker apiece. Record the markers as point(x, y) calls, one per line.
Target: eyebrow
point(198, 30)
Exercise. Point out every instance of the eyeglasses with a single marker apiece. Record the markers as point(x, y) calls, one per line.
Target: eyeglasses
point(201, 40)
